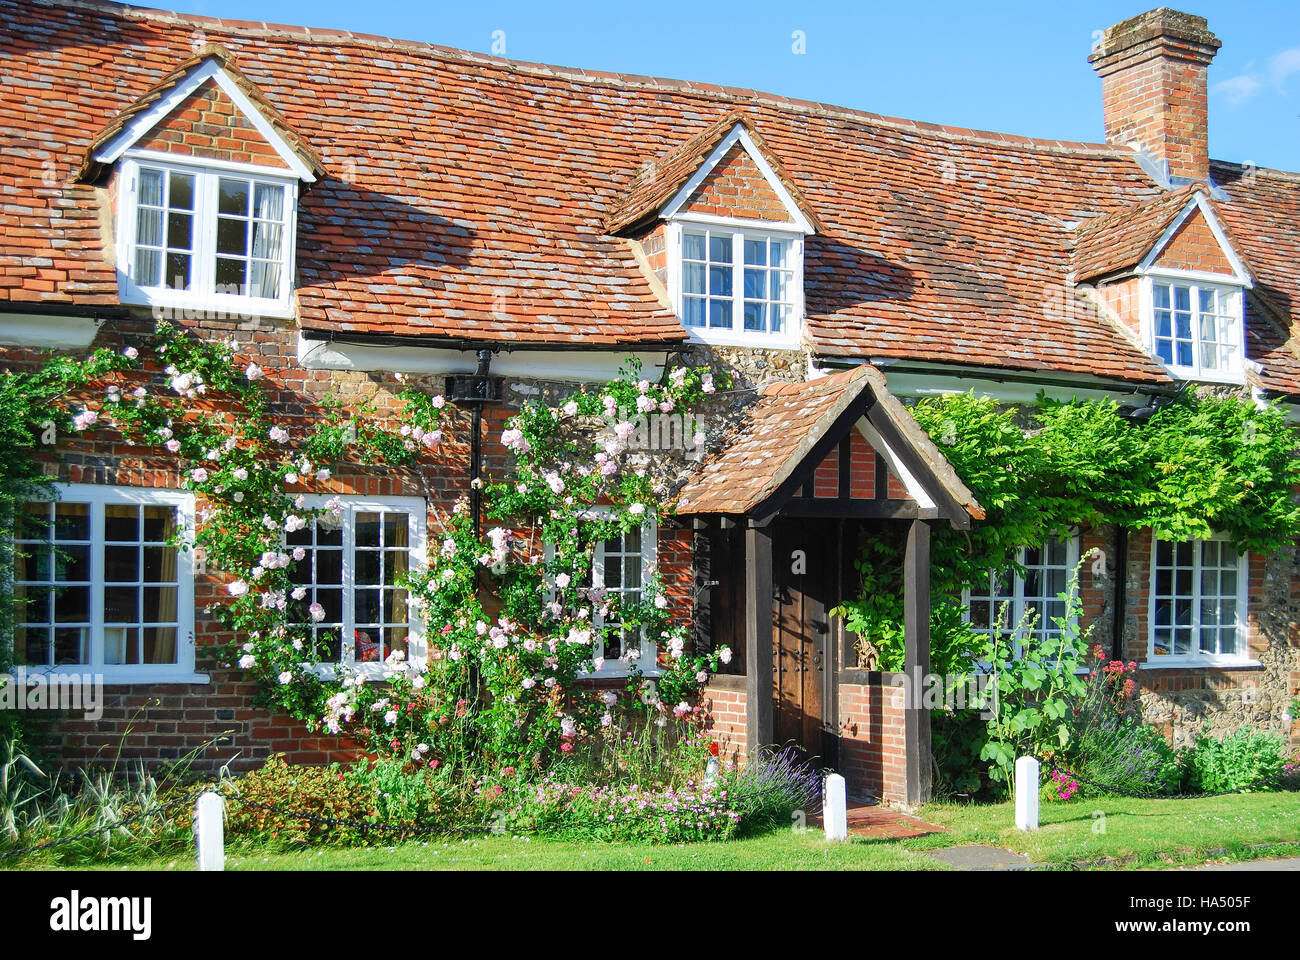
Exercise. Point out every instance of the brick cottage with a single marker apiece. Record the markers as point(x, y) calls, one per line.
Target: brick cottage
point(350, 208)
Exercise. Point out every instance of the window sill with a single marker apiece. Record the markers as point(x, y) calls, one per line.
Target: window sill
point(168, 306)
point(729, 338)
point(117, 677)
point(1236, 378)
point(1199, 662)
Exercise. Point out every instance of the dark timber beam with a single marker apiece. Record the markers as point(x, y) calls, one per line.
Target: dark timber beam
point(759, 730)
point(916, 662)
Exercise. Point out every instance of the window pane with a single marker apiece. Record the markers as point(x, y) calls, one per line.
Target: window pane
point(1161, 291)
point(232, 236)
point(694, 310)
point(159, 645)
point(148, 227)
point(755, 316)
point(720, 313)
point(719, 248)
point(182, 192)
point(693, 246)
point(72, 521)
point(231, 276)
point(151, 188)
point(265, 280)
point(755, 284)
point(268, 202)
point(780, 286)
point(147, 264)
point(367, 530)
point(756, 252)
point(720, 281)
point(780, 251)
point(266, 240)
point(122, 564)
point(232, 197)
point(178, 230)
point(178, 271)
point(693, 277)
point(1183, 298)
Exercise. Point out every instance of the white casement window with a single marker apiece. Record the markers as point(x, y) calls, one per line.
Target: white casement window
point(1198, 603)
point(622, 565)
point(737, 285)
point(206, 237)
point(101, 585)
point(354, 569)
point(1010, 596)
point(1195, 327)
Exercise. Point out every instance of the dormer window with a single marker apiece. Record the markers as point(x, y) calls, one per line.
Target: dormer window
point(740, 283)
point(1196, 328)
point(207, 179)
point(209, 238)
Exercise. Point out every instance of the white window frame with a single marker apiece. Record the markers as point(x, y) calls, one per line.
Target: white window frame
point(417, 519)
point(1242, 659)
point(1231, 293)
point(98, 497)
point(648, 662)
point(789, 338)
point(202, 295)
point(1071, 539)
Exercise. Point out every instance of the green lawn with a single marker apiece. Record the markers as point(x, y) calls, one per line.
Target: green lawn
point(1138, 833)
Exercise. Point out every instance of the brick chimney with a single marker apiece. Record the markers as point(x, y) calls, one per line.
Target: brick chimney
point(1152, 71)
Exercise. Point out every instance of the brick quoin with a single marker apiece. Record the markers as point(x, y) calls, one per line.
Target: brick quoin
point(208, 124)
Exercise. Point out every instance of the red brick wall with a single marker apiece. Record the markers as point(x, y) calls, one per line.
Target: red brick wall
point(862, 473)
point(1194, 247)
point(167, 721)
point(208, 124)
point(736, 188)
point(872, 756)
point(724, 702)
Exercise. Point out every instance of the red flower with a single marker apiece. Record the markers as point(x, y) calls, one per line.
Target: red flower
point(565, 747)
point(713, 748)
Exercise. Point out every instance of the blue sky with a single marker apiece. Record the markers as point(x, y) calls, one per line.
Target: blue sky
point(1018, 67)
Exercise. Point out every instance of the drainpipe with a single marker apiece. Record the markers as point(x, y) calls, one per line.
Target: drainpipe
point(1121, 594)
point(479, 393)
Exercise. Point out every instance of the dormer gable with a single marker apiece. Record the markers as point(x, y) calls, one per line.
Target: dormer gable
point(1169, 277)
point(206, 175)
point(206, 109)
point(726, 171)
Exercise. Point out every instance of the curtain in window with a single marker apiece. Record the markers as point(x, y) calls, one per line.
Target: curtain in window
point(268, 240)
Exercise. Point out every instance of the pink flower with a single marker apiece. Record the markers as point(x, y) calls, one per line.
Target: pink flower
point(317, 612)
point(252, 371)
point(131, 353)
point(199, 475)
point(173, 445)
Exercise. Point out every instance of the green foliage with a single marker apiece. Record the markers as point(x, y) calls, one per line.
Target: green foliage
point(1239, 761)
point(254, 802)
point(1032, 690)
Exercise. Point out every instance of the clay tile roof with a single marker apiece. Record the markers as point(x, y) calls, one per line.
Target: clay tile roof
point(658, 181)
point(780, 430)
point(90, 170)
point(1108, 244)
point(466, 199)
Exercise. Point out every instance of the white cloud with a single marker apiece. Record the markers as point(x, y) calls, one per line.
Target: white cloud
point(1282, 65)
point(1237, 90)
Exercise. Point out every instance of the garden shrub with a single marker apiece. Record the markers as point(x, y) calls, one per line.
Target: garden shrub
point(1239, 761)
point(771, 787)
point(1111, 748)
point(324, 792)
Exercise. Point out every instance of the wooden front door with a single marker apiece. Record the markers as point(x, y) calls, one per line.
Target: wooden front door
point(804, 575)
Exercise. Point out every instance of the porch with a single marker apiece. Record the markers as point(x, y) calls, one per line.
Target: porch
point(779, 517)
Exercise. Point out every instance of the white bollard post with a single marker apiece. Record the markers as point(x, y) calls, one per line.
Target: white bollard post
point(835, 809)
point(209, 831)
point(1027, 793)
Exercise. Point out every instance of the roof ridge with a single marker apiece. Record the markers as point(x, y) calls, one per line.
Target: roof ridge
point(1271, 172)
point(629, 81)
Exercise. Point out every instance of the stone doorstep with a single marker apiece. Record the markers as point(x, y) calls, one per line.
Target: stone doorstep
point(875, 822)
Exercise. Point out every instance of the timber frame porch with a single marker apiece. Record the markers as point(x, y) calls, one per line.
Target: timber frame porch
point(812, 466)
